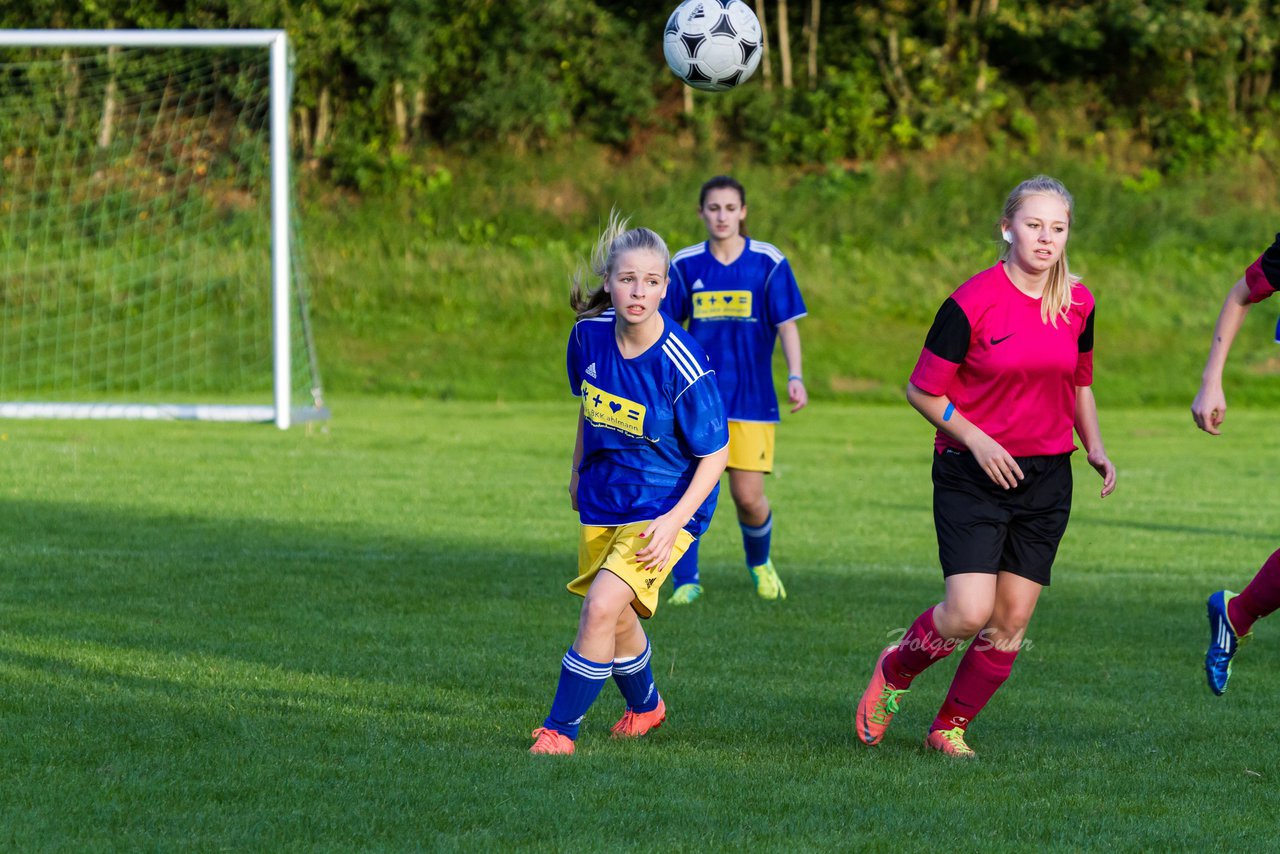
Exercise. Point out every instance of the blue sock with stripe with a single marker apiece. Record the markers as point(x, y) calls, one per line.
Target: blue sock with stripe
point(686, 569)
point(580, 684)
point(635, 680)
point(755, 542)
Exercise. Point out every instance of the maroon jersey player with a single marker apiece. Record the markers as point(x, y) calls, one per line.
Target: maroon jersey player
point(1231, 615)
point(1005, 376)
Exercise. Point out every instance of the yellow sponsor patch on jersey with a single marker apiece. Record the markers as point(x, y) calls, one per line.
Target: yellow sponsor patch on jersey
point(608, 410)
point(712, 304)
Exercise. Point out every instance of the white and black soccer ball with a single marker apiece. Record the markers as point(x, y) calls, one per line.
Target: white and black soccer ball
point(713, 44)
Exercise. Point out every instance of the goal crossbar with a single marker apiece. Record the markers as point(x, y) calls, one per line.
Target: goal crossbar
point(282, 411)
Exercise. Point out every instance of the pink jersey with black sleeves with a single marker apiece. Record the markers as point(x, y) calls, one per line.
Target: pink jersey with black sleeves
point(1004, 368)
point(1263, 275)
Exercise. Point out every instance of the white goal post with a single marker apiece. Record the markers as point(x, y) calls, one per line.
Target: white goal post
point(292, 357)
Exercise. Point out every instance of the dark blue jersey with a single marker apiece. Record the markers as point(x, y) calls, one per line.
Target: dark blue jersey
point(733, 311)
point(646, 422)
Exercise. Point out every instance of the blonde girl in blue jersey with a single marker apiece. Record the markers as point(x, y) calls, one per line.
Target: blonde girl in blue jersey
point(740, 297)
point(651, 445)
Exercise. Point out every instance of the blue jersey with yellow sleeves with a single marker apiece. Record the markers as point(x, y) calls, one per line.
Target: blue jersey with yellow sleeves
point(646, 422)
point(733, 311)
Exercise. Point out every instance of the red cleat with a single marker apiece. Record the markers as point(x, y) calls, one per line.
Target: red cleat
point(879, 703)
point(551, 742)
point(636, 724)
point(950, 742)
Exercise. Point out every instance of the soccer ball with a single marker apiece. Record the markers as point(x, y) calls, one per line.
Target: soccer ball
point(713, 44)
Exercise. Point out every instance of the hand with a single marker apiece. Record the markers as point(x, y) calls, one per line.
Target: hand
point(1209, 409)
point(661, 535)
point(999, 465)
point(797, 394)
point(1103, 466)
point(573, 490)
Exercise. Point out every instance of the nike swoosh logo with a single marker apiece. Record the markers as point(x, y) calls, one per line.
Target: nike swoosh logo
point(995, 341)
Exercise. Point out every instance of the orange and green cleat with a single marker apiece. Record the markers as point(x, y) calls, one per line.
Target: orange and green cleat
point(551, 742)
point(950, 742)
point(636, 724)
point(879, 703)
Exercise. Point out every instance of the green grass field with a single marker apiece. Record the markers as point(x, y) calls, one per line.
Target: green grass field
point(221, 637)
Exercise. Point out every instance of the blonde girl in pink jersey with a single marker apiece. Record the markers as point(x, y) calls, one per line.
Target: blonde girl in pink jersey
point(1005, 376)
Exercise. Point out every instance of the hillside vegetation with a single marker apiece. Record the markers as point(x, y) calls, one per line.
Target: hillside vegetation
point(455, 286)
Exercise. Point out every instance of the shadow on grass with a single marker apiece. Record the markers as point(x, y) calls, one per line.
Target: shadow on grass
point(199, 681)
point(925, 509)
point(313, 599)
point(1172, 528)
point(252, 683)
point(264, 685)
point(265, 617)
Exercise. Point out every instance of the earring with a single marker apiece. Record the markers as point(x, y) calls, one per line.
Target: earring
point(1008, 238)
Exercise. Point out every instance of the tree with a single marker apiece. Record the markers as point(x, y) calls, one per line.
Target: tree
point(811, 28)
point(766, 65)
point(784, 44)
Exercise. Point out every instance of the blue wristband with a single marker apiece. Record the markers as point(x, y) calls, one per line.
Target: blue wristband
point(795, 377)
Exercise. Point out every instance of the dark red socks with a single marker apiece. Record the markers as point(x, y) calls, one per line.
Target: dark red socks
point(1259, 598)
point(920, 647)
point(981, 673)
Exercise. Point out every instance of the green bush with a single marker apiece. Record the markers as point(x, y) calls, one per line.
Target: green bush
point(842, 119)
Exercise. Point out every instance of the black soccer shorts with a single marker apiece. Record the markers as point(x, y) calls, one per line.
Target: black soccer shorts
point(984, 528)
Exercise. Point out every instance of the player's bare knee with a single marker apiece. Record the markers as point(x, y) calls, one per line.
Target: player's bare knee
point(599, 615)
point(1011, 626)
point(963, 620)
point(628, 624)
point(753, 508)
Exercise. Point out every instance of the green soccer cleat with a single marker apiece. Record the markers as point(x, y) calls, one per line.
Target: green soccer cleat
point(685, 594)
point(768, 584)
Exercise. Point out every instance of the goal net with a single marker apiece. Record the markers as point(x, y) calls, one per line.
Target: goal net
point(148, 267)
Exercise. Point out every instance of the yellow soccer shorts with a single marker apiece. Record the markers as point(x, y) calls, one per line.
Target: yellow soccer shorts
point(614, 549)
point(751, 446)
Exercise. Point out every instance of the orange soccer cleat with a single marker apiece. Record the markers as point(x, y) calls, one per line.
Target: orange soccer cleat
point(636, 724)
point(879, 703)
point(551, 742)
point(950, 742)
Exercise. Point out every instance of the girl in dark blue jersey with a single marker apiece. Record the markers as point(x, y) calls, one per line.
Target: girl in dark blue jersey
point(652, 443)
point(740, 298)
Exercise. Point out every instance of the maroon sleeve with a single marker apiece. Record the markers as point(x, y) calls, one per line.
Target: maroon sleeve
point(1263, 275)
point(1084, 369)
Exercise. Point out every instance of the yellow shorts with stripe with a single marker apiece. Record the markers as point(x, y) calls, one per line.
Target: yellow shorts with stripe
point(751, 446)
point(615, 549)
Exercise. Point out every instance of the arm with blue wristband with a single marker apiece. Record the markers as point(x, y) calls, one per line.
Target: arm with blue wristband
point(939, 411)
